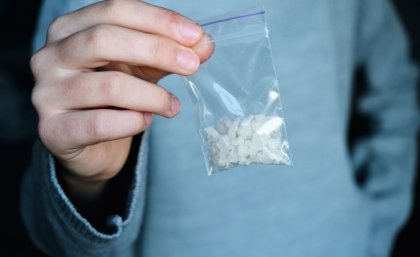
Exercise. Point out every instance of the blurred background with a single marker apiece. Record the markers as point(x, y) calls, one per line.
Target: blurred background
point(18, 122)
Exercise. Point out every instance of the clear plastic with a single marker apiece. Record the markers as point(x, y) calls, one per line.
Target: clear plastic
point(236, 95)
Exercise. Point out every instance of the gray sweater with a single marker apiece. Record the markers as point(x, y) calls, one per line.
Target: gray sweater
point(315, 208)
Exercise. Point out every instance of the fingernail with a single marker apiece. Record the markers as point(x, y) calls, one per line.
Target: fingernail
point(175, 104)
point(148, 117)
point(187, 60)
point(190, 30)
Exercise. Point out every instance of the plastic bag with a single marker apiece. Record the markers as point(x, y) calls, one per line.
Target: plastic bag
point(236, 95)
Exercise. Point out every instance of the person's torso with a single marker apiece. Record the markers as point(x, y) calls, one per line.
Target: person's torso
point(312, 208)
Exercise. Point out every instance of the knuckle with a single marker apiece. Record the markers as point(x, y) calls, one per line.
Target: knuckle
point(115, 3)
point(97, 37)
point(42, 102)
point(37, 62)
point(97, 126)
point(38, 97)
point(55, 28)
point(114, 9)
point(169, 19)
point(111, 87)
point(156, 49)
point(77, 89)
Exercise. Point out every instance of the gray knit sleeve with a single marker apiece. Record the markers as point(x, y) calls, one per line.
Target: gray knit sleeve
point(56, 226)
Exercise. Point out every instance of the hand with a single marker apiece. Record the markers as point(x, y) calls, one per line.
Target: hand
point(96, 83)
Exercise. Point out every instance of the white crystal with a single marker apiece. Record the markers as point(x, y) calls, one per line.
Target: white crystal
point(253, 139)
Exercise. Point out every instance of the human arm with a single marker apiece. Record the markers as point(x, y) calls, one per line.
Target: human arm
point(95, 89)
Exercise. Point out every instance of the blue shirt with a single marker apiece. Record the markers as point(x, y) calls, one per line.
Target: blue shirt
point(314, 208)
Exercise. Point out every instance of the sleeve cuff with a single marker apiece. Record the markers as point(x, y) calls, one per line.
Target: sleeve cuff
point(47, 209)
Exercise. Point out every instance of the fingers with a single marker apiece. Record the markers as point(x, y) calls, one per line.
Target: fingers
point(110, 89)
point(132, 14)
point(95, 78)
point(97, 46)
point(204, 48)
point(82, 128)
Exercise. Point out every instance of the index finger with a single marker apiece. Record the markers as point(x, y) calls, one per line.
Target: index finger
point(132, 14)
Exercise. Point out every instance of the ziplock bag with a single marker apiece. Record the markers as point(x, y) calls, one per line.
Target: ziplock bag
point(236, 95)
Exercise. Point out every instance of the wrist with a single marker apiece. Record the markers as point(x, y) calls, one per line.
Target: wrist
point(80, 189)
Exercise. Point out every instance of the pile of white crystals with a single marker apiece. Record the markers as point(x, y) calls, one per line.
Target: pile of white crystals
point(253, 139)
